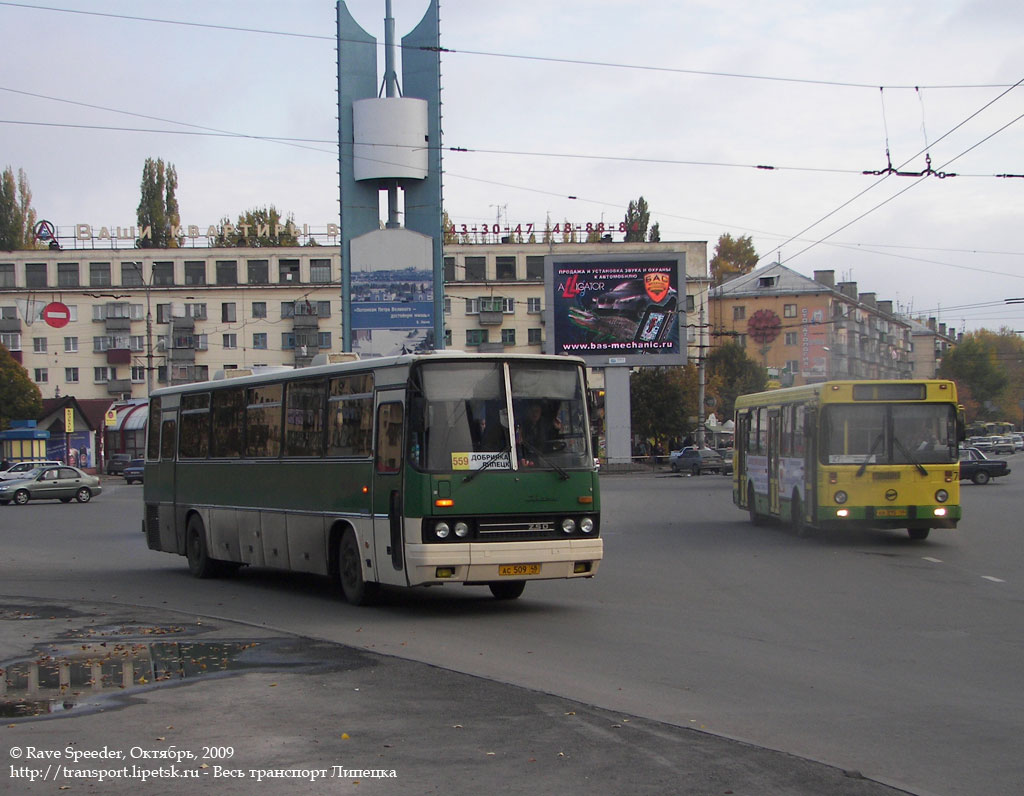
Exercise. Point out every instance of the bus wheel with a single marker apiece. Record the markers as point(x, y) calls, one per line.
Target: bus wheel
point(918, 533)
point(797, 508)
point(507, 590)
point(755, 518)
point(350, 571)
point(199, 562)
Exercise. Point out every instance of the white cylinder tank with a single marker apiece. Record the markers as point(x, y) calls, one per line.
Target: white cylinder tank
point(390, 138)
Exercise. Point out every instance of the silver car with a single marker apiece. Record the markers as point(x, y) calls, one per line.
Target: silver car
point(61, 483)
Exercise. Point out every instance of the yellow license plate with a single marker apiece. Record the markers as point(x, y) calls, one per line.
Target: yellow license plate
point(891, 513)
point(518, 569)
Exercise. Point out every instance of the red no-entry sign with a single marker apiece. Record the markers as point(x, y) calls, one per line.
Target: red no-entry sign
point(56, 314)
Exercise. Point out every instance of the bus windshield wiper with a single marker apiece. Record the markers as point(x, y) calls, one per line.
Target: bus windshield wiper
point(910, 457)
point(497, 456)
point(867, 459)
point(561, 473)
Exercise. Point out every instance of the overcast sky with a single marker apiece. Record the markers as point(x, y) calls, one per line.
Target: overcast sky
point(601, 100)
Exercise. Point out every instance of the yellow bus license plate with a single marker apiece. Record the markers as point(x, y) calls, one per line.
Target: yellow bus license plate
point(891, 513)
point(518, 569)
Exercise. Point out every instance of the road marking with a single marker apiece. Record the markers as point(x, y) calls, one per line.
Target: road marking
point(933, 560)
point(993, 579)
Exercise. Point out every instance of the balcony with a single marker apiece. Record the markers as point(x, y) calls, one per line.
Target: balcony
point(119, 356)
point(118, 325)
point(305, 322)
point(491, 318)
point(119, 387)
point(491, 348)
point(10, 325)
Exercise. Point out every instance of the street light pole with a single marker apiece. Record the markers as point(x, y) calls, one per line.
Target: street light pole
point(149, 330)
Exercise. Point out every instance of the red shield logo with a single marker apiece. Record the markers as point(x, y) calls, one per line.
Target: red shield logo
point(657, 285)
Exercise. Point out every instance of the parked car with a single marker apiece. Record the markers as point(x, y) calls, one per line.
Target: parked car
point(117, 462)
point(61, 483)
point(726, 454)
point(1003, 445)
point(19, 469)
point(696, 461)
point(1018, 441)
point(981, 443)
point(134, 471)
point(977, 467)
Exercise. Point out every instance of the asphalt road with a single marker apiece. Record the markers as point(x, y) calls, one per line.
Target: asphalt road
point(867, 652)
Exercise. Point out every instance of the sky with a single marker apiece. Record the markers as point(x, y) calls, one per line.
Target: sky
point(568, 111)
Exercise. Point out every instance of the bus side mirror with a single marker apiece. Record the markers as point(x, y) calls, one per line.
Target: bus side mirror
point(961, 424)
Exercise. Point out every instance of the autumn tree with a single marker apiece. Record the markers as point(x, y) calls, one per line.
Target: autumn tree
point(17, 218)
point(989, 367)
point(730, 373)
point(158, 206)
point(638, 216)
point(20, 398)
point(662, 402)
point(257, 228)
point(733, 257)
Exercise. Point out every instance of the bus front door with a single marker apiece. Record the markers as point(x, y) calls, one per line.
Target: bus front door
point(388, 527)
point(774, 441)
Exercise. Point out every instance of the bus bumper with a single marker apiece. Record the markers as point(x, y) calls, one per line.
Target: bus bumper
point(936, 516)
point(485, 563)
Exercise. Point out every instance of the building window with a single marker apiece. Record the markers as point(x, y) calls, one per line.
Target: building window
point(447, 305)
point(766, 281)
point(259, 340)
point(508, 336)
point(99, 274)
point(131, 275)
point(449, 269)
point(739, 313)
point(227, 272)
point(138, 374)
point(196, 312)
point(163, 313)
point(137, 342)
point(39, 345)
point(533, 336)
point(162, 274)
point(491, 304)
point(472, 306)
point(195, 272)
point(67, 275)
point(103, 375)
point(35, 274)
point(506, 267)
point(475, 337)
point(41, 375)
point(690, 304)
point(789, 310)
point(71, 375)
point(533, 305)
point(259, 272)
point(447, 338)
point(288, 272)
point(476, 269)
point(227, 312)
point(259, 309)
point(320, 271)
point(535, 267)
point(70, 345)
point(230, 341)
point(287, 341)
point(791, 338)
point(9, 313)
point(741, 340)
point(323, 340)
point(11, 340)
point(7, 275)
point(323, 309)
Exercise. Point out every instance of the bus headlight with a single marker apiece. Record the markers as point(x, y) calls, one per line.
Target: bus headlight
point(568, 525)
point(461, 530)
point(587, 525)
point(942, 496)
point(840, 497)
point(441, 530)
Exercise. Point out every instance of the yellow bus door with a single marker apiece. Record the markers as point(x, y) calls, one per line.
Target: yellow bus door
point(774, 440)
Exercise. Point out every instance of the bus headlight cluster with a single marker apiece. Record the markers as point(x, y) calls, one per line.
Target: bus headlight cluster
point(584, 525)
point(941, 496)
point(445, 530)
point(840, 497)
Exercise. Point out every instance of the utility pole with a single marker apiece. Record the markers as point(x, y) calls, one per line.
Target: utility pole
point(701, 383)
point(149, 329)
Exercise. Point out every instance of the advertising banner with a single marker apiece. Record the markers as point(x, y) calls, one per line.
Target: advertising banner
point(617, 312)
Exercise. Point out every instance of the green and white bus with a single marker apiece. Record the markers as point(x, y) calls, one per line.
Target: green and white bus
point(414, 470)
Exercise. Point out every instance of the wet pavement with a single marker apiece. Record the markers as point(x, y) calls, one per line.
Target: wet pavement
point(101, 698)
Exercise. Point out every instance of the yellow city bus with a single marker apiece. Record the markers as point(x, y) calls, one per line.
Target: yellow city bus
point(840, 454)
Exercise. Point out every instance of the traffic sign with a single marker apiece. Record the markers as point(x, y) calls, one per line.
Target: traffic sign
point(56, 314)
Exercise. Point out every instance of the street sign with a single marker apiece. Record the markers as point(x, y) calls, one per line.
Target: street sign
point(69, 420)
point(56, 314)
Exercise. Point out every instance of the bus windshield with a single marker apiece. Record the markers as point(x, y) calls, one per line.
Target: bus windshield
point(461, 419)
point(889, 434)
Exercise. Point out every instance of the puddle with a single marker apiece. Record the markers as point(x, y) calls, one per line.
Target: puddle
point(83, 676)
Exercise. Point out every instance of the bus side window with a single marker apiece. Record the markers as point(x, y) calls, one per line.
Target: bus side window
point(168, 439)
point(389, 438)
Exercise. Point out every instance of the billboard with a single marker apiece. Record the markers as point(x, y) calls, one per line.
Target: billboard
point(616, 309)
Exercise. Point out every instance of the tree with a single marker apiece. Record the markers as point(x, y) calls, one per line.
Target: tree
point(987, 367)
point(731, 373)
point(638, 216)
point(662, 401)
point(259, 227)
point(158, 206)
point(654, 236)
point(19, 396)
point(17, 218)
point(733, 257)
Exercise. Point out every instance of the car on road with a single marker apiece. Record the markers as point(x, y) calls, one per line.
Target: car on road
point(726, 454)
point(1003, 445)
point(61, 483)
point(19, 469)
point(117, 462)
point(134, 471)
point(696, 461)
point(977, 467)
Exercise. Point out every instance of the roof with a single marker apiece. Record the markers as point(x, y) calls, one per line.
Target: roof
point(784, 281)
point(92, 409)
